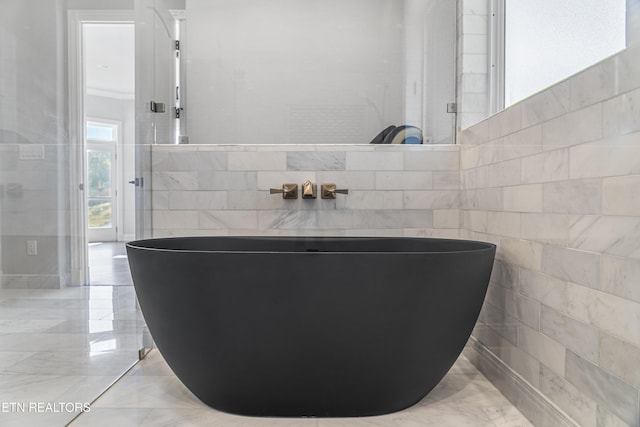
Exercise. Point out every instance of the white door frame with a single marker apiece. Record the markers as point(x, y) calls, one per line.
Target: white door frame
point(77, 147)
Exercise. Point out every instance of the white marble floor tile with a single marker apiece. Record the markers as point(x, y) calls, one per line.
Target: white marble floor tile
point(148, 392)
point(107, 417)
point(63, 345)
point(463, 398)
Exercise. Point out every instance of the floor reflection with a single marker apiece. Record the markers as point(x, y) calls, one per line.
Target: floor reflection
point(67, 345)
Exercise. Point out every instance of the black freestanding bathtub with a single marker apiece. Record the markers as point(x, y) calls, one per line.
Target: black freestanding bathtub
point(310, 326)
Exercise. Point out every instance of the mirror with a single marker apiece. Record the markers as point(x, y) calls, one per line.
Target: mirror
point(318, 71)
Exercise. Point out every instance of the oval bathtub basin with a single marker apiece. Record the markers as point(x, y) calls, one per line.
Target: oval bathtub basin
point(310, 326)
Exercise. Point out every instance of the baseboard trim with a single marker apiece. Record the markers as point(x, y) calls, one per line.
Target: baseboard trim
point(527, 399)
point(31, 281)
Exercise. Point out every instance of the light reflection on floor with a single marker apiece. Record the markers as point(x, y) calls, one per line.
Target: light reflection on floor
point(67, 345)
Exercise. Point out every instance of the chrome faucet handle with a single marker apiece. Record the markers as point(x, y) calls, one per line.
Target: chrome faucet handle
point(288, 191)
point(308, 190)
point(329, 191)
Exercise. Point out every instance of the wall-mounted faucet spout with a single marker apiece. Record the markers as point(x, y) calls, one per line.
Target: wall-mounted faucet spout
point(308, 190)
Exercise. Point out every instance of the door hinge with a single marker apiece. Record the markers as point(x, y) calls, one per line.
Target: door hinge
point(177, 44)
point(178, 111)
point(452, 107)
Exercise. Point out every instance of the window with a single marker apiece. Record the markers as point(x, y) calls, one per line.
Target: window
point(546, 41)
point(101, 132)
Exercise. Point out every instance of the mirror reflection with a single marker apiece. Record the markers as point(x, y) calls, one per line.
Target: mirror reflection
point(319, 71)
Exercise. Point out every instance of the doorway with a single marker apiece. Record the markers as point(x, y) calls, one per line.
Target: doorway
point(105, 114)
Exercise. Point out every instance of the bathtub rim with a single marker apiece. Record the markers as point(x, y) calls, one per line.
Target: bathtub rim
point(479, 245)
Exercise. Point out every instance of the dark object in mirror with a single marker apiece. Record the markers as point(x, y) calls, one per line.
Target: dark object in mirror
point(379, 139)
point(399, 135)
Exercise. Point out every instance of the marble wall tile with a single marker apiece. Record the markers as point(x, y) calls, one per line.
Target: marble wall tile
point(504, 274)
point(569, 398)
point(446, 180)
point(607, 419)
point(545, 228)
point(576, 253)
point(545, 349)
point(621, 195)
point(620, 358)
point(619, 155)
point(475, 220)
point(252, 200)
point(629, 118)
point(581, 196)
point(593, 85)
point(521, 144)
point(164, 220)
point(474, 135)
point(339, 219)
point(376, 161)
point(192, 161)
point(430, 199)
point(494, 317)
point(522, 362)
point(627, 60)
point(391, 218)
point(267, 180)
point(614, 235)
point(545, 289)
point(475, 7)
point(447, 159)
point(571, 265)
point(619, 397)
point(257, 161)
point(579, 337)
point(170, 180)
point(585, 125)
point(287, 219)
point(474, 63)
point(393, 180)
point(439, 233)
point(506, 224)
point(547, 105)
point(197, 200)
point(358, 180)
point(374, 200)
point(471, 83)
point(546, 167)
point(227, 219)
point(620, 116)
point(522, 253)
point(316, 161)
point(160, 200)
point(506, 122)
point(614, 315)
point(523, 198)
point(226, 181)
point(489, 152)
point(504, 173)
point(620, 276)
point(446, 218)
point(482, 199)
point(528, 311)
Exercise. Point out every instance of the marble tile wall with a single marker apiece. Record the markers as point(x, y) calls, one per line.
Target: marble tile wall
point(473, 61)
point(554, 181)
point(224, 190)
point(30, 209)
